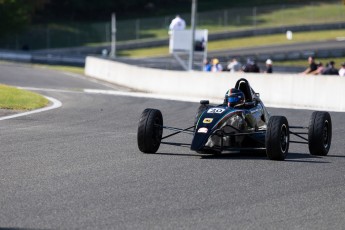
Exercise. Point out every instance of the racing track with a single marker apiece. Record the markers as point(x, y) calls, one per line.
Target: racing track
point(78, 167)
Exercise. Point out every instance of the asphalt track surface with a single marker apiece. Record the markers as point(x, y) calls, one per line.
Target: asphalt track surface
point(78, 167)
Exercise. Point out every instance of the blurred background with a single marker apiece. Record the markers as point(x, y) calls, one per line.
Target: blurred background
point(43, 25)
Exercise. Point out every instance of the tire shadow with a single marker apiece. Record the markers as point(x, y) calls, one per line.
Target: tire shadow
point(291, 157)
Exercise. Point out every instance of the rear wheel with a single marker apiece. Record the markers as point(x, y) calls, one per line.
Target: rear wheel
point(277, 138)
point(150, 130)
point(320, 133)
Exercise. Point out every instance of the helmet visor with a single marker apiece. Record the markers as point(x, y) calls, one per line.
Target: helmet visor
point(234, 99)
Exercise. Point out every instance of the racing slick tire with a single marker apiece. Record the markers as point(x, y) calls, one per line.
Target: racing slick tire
point(150, 130)
point(277, 138)
point(320, 133)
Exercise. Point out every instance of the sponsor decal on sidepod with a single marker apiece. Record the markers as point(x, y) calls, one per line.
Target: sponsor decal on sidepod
point(202, 130)
point(208, 120)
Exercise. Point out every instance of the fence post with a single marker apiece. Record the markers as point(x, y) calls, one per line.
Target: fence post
point(113, 36)
point(48, 37)
point(254, 16)
point(225, 17)
point(137, 29)
point(191, 52)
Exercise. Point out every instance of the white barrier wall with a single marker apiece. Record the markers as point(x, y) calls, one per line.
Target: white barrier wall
point(279, 90)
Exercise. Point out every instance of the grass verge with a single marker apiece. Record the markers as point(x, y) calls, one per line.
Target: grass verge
point(17, 99)
point(276, 39)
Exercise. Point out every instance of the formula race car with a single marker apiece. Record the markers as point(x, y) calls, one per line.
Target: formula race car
point(241, 123)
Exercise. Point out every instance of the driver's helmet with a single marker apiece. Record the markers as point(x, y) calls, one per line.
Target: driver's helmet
point(234, 97)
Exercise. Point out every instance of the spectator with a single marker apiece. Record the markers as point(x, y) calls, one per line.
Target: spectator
point(269, 68)
point(207, 66)
point(330, 70)
point(251, 67)
point(342, 70)
point(319, 69)
point(312, 66)
point(234, 66)
point(216, 66)
point(177, 24)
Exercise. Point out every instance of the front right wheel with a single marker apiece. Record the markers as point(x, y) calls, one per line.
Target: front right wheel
point(277, 138)
point(150, 130)
point(320, 133)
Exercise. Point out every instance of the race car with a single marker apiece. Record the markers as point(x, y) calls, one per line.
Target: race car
point(241, 123)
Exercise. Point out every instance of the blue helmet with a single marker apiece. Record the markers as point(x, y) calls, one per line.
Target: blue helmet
point(235, 97)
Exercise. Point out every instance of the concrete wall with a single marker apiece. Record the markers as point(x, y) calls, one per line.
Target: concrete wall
point(287, 91)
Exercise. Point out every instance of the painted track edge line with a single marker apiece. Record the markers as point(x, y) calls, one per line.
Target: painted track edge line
point(56, 104)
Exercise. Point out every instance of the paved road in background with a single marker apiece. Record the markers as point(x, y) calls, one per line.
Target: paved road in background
point(78, 167)
point(292, 51)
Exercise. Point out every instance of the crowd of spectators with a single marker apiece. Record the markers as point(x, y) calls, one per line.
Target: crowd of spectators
point(235, 66)
point(317, 68)
point(314, 68)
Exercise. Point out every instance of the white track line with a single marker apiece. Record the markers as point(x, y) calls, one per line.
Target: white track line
point(56, 104)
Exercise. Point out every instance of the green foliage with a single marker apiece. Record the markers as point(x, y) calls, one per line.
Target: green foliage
point(16, 14)
point(81, 10)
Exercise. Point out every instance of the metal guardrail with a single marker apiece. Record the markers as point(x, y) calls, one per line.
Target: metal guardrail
point(25, 57)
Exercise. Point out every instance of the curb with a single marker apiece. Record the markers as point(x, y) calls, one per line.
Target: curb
point(56, 104)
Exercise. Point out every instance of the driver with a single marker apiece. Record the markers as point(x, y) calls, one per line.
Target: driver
point(234, 98)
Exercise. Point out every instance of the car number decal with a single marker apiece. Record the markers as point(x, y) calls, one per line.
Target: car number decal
point(215, 110)
point(207, 120)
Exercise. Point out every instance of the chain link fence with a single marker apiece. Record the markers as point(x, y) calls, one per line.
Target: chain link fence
point(95, 34)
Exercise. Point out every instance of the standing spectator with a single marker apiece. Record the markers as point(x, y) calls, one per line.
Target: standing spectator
point(342, 70)
point(251, 66)
point(330, 70)
point(177, 23)
point(207, 66)
point(234, 66)
point(216, 66)
point(312, 66)
point(269, 68)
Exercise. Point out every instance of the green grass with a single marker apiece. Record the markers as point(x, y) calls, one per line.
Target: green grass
point(17, 99)
point(145, 52)
point(275, 39)
point(277, 15)
point(283, 15)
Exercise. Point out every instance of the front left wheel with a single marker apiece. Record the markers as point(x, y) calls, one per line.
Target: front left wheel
point(150, 130)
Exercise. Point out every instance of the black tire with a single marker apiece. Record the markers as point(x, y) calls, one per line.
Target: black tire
point(277, 138)
point(320, 133)
point(150, 130)
point(210, 152)
point(201, 109)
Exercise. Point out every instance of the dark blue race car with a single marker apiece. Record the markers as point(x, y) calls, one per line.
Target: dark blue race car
point(240, 123)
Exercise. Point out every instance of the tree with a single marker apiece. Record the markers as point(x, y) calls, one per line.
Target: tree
point(16, 14)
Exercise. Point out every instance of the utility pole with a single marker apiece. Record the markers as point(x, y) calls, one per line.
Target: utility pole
point(193, 18)
point(113, 36)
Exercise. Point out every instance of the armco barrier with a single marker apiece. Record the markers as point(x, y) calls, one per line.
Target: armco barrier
point(279, 90)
